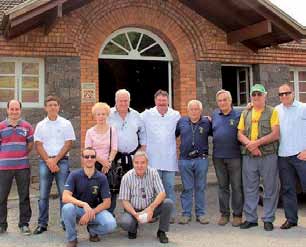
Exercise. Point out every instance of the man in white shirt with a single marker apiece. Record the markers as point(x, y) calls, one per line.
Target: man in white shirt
point(160, 124)
point(53, 138)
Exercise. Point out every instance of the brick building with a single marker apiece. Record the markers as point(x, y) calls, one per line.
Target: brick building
point(84, 50)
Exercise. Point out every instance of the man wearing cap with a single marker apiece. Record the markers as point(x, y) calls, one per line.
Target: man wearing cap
point(292, 151)
point(258, 131)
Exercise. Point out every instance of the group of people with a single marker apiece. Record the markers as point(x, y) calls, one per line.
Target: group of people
point(261, 144)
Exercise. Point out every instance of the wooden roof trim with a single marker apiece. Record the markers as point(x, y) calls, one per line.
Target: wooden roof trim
point(249, 32)
point(284, 16)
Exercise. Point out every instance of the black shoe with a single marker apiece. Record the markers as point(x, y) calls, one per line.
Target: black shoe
point(39, 230)
point(287, 225)
point(3, 229)
point(162, 237)
point(268, 226)
point(94, 238)
point(132, 235)
point(247, 225)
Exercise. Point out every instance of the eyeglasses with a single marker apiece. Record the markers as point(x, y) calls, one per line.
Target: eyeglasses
point(256, 94)
point(143, 193)
point(284, 94)
point(89, 156)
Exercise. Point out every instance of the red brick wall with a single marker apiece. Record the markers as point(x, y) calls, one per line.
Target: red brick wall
point(188, 36)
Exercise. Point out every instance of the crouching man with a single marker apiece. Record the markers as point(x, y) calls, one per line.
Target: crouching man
point(143, 197)
point(87, 197)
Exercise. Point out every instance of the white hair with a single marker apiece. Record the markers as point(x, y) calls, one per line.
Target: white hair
point(122, 91)
point(228, 93)
point(140, 153)
point(194, 101)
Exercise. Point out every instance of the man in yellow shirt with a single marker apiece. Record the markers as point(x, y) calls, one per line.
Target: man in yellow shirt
point(258, 131)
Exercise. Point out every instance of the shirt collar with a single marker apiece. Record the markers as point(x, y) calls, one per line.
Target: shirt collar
point(52, 120)
point(145, 174)
point(93, 176)
point(7, 122)
point(221, 113)
point(294, 104)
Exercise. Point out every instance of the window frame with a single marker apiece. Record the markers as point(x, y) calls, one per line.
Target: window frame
point(18, 80)
point(296, 80)
point(251, 79)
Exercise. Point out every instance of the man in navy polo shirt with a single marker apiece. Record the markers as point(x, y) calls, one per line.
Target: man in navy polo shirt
point(226, 158)
point(193, 163)
point(87, 197)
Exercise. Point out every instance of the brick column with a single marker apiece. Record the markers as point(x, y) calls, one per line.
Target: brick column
point(271, 76)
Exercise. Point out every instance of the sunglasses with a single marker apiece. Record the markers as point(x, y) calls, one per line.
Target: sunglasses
point(89, 156)
point(256, 94)
point(284, 94)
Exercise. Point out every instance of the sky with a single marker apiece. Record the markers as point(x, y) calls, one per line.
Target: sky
point(294, 8)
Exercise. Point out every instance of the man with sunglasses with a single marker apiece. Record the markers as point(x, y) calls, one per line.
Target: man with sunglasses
point(292, 151)
point(258, 131)
point(143, 197)
point(87, 197)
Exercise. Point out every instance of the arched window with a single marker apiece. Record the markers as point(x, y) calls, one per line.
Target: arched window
point(135, 44)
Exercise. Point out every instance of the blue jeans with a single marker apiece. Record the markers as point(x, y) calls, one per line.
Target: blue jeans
point(194, 175)
point(45, 184)
point(167, 178)
point(290, 169)
point(103, 223)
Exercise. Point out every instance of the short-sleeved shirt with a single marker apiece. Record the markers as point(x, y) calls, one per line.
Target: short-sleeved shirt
point(131, 131)
point(91, 190)
point(255, 119)
point(101, 142)
point(292, 128)
point(13, 145)
point(53, 134)
point(161, 141)
point(140, 191)
point(194, 136)
point(224, 130)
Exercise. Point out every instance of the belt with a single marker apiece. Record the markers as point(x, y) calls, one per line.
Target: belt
point(64, 158)
point(200, 156)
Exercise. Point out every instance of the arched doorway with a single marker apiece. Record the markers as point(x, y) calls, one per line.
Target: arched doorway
point(138, 60)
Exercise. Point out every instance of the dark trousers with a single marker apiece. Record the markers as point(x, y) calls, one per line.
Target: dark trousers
point(130, 224)
point(291, 168)
point(22, 178)
point(229, 175)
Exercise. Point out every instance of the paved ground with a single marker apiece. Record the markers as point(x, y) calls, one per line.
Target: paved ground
point(189, 235)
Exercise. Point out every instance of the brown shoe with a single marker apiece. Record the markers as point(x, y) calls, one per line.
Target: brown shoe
point(237, 221)
point(203, 219)
point(184, 220)
point(223, 220)
point(94, 238)
point(73, 243)
point(172, 220)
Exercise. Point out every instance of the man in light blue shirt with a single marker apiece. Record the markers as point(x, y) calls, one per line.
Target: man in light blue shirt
point(292, 151)
point(131, 132)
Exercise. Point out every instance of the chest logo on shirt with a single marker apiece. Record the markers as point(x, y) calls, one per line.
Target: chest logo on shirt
point(232, 122)
point(94, 190)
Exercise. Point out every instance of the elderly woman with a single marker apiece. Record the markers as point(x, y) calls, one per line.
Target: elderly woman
point(103, 138)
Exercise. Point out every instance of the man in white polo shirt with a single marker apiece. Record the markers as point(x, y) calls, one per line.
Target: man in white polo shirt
point(53, 138)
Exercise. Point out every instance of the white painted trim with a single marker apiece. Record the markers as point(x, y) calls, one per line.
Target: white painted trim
point(132, 56)
point(18, 73)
